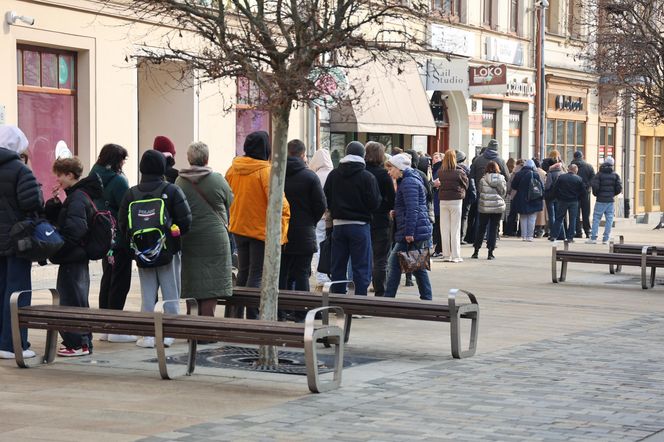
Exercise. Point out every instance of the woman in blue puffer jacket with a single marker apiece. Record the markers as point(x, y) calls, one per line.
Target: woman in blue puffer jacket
point(412, 225)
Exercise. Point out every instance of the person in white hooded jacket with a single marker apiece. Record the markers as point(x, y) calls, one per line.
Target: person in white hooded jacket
point(321, 163)
point(491, 206)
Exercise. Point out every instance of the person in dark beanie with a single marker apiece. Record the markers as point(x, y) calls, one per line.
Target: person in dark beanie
point(73, 219)
point(165, 145)
point(352, 196)
point(567, 191)
point(21, 196)
point(586, 173)
point(307, 205)
point(163, 273)
point(606, 185)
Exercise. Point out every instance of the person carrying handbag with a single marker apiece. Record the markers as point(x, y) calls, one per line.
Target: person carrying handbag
point(412, 226)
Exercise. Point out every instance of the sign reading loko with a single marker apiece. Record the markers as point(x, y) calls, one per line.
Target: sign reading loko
point(488, 79)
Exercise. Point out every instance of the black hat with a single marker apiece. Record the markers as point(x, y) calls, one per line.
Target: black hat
point(460, 157)
point(578, 155)
point(355, 148)
point(257, 145)
point(493, 144)
point(153, 162)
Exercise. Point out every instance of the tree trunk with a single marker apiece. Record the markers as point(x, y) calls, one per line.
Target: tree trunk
point(268, 357)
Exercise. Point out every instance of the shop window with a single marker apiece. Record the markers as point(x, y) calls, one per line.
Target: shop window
point(488, 126)
point(566, 136)
point(46, 106)
point(338, 141)
point(515, 134)
point(249, 114)
point(515, 6)
point(641, 180)
point(607, 142)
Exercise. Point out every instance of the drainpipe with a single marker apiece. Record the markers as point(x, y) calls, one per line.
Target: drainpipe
point(628, 118)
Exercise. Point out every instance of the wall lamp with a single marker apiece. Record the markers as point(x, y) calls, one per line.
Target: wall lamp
point(11, 17)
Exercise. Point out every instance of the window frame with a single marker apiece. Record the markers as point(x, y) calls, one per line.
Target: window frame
point(488, 16)
point(514, 22)
point(559, 141)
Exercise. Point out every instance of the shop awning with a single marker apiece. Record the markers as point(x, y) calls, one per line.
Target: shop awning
point(390, 103)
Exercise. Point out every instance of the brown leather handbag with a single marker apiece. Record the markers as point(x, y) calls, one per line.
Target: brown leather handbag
point(413, 259)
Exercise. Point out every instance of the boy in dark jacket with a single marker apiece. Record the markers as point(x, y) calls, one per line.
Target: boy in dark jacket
point(73, 218)
point(22, 196)
point(165, 273)
point(606, 185)
point(567, 191)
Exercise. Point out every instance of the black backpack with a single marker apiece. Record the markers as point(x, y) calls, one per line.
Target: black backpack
point(149, 228)
point(101, 233)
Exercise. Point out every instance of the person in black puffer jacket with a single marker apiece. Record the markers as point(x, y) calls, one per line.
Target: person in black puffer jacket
point(307, 205)
point(587, 173)
point(381, 241)
point(606, 185)
point(166, 272)
point(21, 196)
point(73, 219)
point(352, 197)
point(412, 225)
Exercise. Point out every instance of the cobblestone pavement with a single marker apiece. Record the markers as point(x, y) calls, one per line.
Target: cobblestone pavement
point(598, 385)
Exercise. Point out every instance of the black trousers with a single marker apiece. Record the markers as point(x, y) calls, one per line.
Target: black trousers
point(294, 274)
point(116, 280)
point(437, 240)
point(74, 287)
point(583, 220)
point(250, 254)
point(472, 225)
point(492, 220)
point(381, 245)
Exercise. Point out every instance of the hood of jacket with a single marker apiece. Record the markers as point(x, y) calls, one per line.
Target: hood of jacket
point(492, 179)
point(257, 145)
point(321, 161)
point(350, 168)
point(105, 173)
point(294, 165)
point(605, 168)
point(91, 185)
point(195, 174)
point(411, 173)
point(490, 154)
point(7, 155)
point(247, 165)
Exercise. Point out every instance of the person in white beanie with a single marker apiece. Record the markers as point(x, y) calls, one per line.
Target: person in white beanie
point(606, 184)
point(411, 223)
point(22, 196)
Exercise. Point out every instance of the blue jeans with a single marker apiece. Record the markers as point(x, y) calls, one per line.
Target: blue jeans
point(394, 271)
point(605, 209)
point(551, 210)
point(563, 207)
point(352, 241)
point(15, 275)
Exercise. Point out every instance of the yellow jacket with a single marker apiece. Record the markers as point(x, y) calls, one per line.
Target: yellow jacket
point(250, 181)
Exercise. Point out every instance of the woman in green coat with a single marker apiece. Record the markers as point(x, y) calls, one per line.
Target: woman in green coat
point(206, 249)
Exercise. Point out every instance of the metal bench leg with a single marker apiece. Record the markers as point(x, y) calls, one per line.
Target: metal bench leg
point(472, 310)
point(621, 240)
point(332, 335)
point(563, 271)
point(554, 264)
point(644, 269)
point(612, 268)
point(51, 335)
point(326, 301)
point(159, 342)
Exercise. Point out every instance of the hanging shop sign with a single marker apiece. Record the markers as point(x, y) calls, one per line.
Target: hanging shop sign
point(452, 40)
point(488, 79)
point(447, 75)
point(504, 51)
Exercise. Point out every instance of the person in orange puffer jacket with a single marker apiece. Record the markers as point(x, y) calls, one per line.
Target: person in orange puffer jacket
point(249, 178)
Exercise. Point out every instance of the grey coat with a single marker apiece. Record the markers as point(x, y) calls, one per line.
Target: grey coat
point(206, 249)
point(493, 189)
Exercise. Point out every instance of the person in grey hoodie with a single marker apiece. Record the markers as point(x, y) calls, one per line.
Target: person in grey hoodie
point(321, 164)
point(491, 206)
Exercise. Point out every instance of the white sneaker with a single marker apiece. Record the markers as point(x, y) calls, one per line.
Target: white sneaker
point(168, 342)
point(121, 338)
point(457, 260)
point(103, 337)
point(605, 241)
point(146, 342)
point(27, 354)
point(591, 241)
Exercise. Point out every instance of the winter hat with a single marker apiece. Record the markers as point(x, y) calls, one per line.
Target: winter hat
point(355, 148)
point(153, 162)
point(13, 138)
point(609, 161)
point(164, 145)
point(493, 144)
point(460, 157)
point(578, 155)
point(530, 164)
point(400, 161)
point(257, 145)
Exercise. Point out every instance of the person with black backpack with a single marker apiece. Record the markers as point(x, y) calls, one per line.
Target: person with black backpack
point(73, 218)
point(528, 199)
point(116, 278)
point(152, 217)
point(20, 195)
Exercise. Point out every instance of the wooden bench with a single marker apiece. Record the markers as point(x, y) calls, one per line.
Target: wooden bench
point(633, 249)
point(54, 318)
point(377, 306)
point(643, 260)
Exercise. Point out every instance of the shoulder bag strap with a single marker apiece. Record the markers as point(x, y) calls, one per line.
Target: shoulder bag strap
point(202, 195)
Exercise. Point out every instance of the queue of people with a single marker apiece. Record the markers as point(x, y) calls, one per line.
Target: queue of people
point(181, 227)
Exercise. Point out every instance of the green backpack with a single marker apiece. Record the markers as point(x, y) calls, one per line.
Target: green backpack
point(149, 228)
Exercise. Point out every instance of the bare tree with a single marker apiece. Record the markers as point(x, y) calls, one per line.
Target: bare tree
point(289, 49)
point(627, 49)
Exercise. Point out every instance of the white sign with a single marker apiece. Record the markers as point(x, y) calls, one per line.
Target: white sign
point(504, 51)
point(444, 75)
point(452, 40)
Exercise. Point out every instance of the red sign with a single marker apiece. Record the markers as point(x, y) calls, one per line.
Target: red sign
point(488, 75)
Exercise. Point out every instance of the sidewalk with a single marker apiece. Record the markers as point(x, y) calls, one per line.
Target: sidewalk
point(580, 360)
